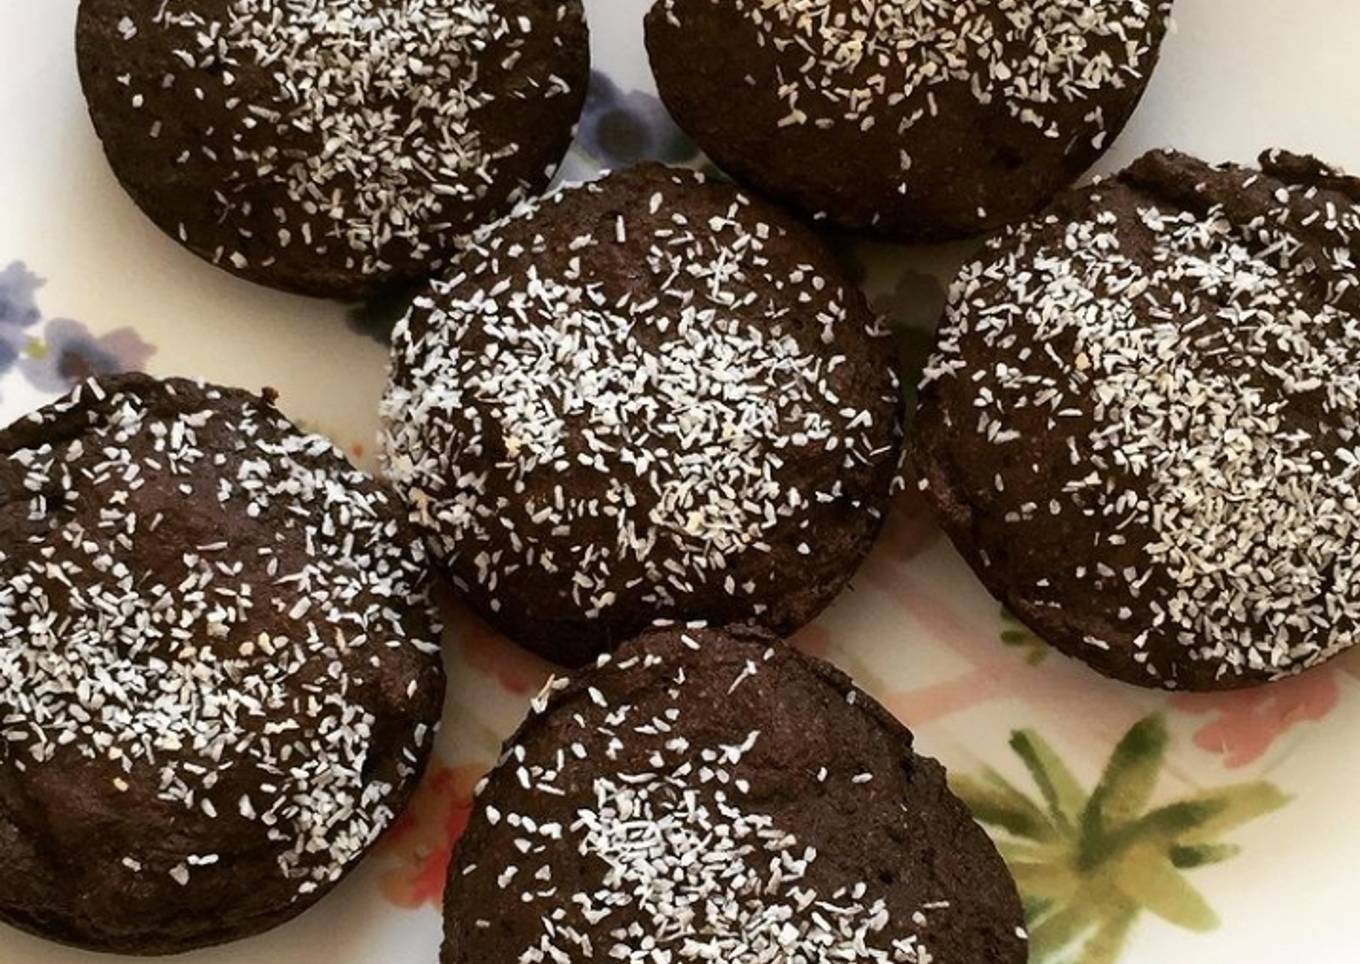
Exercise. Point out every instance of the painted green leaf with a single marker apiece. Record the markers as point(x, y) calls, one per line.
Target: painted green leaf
point(1034, 908)
point(1049, 882)
point(1087, 866)
point(1032, 853)
point(994, 801)
point(1201, 818)
point(1230, 807)
point(1163, 826)
point(1187, 858)
point(1106, 943)
point(1062, 927)
point(1018, 635)
point(1062, 794)
point(1150, 881)
point(1126, 786)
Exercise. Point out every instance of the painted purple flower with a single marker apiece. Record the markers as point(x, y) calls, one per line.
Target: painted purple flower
point(67, 354)
point(18, 285)
point(18, 310)
point(621, 128)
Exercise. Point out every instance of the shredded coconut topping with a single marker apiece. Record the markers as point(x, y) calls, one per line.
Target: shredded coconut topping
point(860, 57)
point(682, 863)
point(120, 647)
point(366, 113)
point(1214, 352)
point(675, 409)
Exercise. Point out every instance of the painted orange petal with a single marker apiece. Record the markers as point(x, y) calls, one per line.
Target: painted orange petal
point(517, 670)
point(908, 530)
point(421, 844)
point(932, 702)
point(1248, 722)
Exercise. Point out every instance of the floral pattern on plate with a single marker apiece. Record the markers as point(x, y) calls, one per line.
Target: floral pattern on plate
point(1121, 810)
point(1089, 863)
point(54, 356)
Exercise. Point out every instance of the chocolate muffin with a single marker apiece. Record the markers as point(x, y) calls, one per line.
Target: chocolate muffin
point(645, 397)
point(218, 666)
point(715, 796)
point(331, 146)
point(1140, 426)
point(913, 121)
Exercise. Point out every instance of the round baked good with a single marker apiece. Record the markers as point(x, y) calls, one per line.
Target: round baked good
point(218, 666)
point(716, 796)
point(331, 146)
point(1140, 426)
point(645, 397)
point(910, 120)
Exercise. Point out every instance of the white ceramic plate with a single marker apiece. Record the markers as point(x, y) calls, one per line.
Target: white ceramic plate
point(87, 283)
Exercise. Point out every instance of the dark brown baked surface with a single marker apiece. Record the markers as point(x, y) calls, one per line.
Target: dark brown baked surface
point(219, 667)
point(712, 795)
point(648, 396)
point(331, 146)
point(1140, 425)
point(914, 121)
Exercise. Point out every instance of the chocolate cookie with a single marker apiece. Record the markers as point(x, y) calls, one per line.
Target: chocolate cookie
point(331, 146)
point(648, 396)
point(910, 120)
point(1140, 427)
point(218, 666)
point(716, 796)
